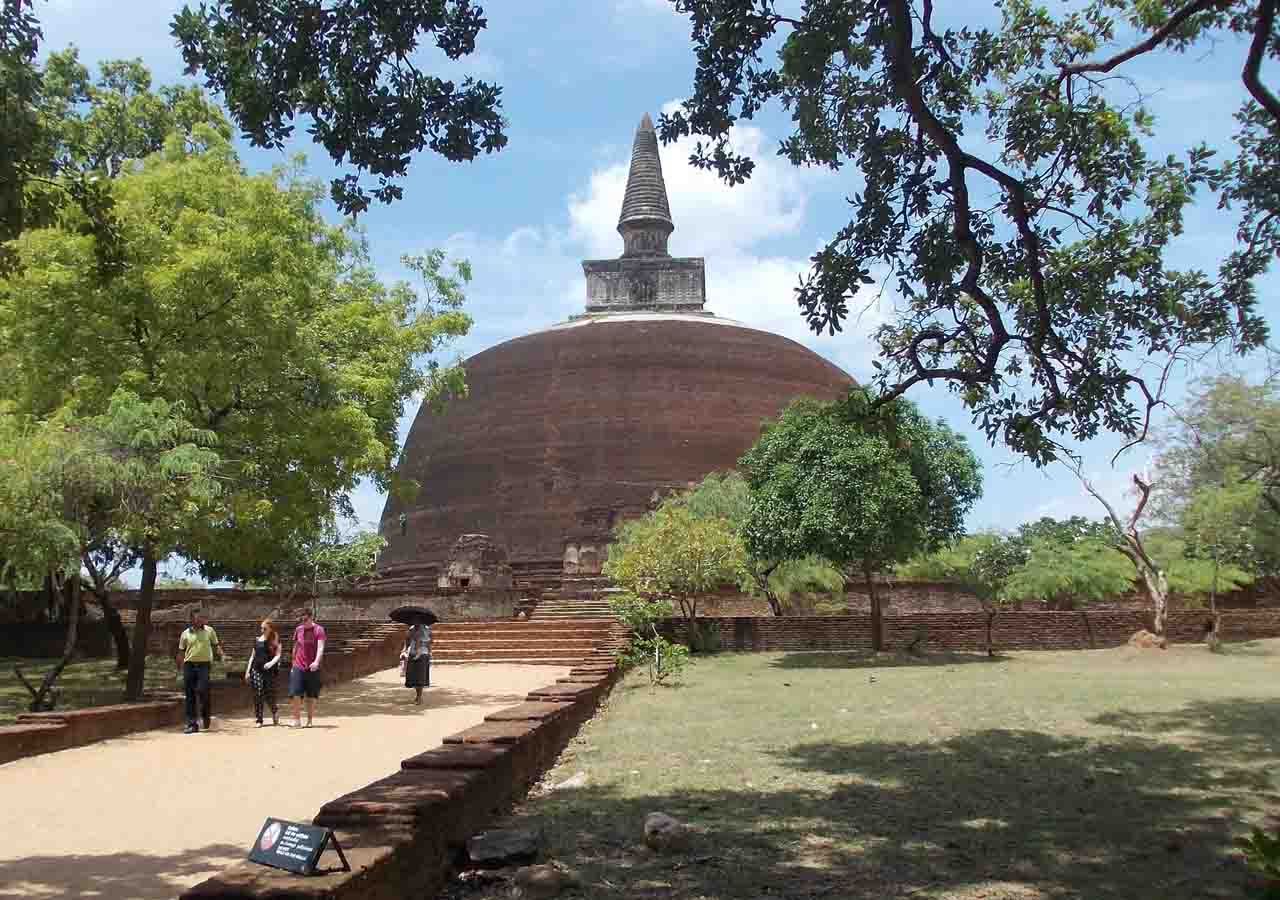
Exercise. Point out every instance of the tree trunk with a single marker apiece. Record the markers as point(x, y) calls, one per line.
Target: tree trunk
point(142, 627)
point(119, 634)
point(877, 614)
point(40, 697)
point(1157, 587)
point(775, 605)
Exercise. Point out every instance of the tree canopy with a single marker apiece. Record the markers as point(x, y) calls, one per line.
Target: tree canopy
point(1040, 308)
point(239, 301)
point(674, 555)
point(860, 485)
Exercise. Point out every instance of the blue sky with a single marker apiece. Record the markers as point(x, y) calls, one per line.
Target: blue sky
point(577, 76)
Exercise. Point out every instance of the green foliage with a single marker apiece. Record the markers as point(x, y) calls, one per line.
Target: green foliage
point(352, 71)
point(1262, 854)
point(664, 659)
point(241, 302)
point(796, 586)
point(1190, 573)
point(1080, 571)
point(674, 555)
point(78, 133)
point(646, 647)
point(137, 473)
point(856, 485)
point(1037, 307)
point(37, 461)
point(1227, 436)
point(329, 559)
point(640, 614)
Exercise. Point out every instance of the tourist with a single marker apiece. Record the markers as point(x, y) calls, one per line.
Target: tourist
point(196, 648)
point(261, 671)
point(416, 660)
point(304, 676)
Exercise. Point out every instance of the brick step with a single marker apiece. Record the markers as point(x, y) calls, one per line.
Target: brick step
point(537, 631)
point(512, 653)
point(595, 622)
point(569, 661)
point(482, 642)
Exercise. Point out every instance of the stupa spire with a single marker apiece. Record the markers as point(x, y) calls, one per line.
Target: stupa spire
point(645, 222)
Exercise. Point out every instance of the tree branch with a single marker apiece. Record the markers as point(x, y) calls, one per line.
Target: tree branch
point(1158, 37)
point(1253, 63)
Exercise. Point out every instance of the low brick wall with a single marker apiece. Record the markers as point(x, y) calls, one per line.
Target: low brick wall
point(46, 639)
point(967, 631)
point(401, 832)
point(37, 733)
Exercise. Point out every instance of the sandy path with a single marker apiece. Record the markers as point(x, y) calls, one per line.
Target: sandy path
point(147, 815)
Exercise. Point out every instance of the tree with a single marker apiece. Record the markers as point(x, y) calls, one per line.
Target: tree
point(1082, 570)
point(267, 323)
point(1218, 522)
point(79, 133)
point(675, 556)
point(981, 563)
point(45, 469)
point(162, 478)
point(1041, 308)
point(725, 496)
point(238, 301)
point(862, 485)
point(329, 558)
point(348, 67)
point(138, 473)
point(1227, 433)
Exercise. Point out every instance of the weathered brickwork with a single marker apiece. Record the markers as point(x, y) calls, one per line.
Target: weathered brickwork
point(967, 631)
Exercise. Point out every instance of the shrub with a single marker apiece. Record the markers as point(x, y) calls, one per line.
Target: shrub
point(647, 647)
point(1262, 853)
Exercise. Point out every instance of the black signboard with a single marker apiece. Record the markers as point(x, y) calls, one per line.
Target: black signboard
point(294, 847)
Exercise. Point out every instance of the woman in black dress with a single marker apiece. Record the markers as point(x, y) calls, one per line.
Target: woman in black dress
point(416, 658)
point(261, 672)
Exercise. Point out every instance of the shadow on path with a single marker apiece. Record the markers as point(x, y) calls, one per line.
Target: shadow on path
point(133, 875)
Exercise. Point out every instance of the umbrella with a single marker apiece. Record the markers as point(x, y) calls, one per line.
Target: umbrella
point(413, 615)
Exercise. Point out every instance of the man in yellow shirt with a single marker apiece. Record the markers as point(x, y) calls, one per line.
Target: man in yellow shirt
point(196, 648)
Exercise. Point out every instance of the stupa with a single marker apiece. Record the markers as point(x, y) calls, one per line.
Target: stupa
point(568, 431)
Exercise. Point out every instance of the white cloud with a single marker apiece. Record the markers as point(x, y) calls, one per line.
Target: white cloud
point(711, 218)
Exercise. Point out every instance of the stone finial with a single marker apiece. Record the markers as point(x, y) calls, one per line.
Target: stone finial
point(645, 223)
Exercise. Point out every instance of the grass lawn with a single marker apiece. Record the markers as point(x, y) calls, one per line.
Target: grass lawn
point(90, 682)
point(1106, 774)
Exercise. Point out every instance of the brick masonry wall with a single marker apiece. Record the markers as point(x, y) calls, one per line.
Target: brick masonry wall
point(42, 639)
point(967, 631)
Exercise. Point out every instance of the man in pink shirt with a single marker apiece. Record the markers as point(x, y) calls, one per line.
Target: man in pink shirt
point(304, 677)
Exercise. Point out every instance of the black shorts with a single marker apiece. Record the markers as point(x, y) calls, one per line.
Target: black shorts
point(304, 682)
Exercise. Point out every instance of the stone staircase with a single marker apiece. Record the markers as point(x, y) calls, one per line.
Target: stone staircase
point(551, 642)
point(552, 606)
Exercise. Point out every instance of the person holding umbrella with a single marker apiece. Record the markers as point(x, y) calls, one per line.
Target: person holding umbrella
point(415, 658)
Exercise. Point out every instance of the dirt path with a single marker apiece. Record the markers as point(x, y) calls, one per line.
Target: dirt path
point(144, 816)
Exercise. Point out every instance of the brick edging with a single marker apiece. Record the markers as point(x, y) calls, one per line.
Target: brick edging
point(400, 832)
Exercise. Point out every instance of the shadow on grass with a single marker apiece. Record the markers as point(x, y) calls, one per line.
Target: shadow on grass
point(114, 876)
point(995, 814)
point(1220, 728)
point(841, 660)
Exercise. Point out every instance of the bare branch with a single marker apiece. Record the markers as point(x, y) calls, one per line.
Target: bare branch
point(1253, 64)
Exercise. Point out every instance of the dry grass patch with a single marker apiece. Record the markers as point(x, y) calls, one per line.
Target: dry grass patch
point(1105, 774)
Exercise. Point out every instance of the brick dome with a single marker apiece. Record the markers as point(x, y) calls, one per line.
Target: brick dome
point(569, 430)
